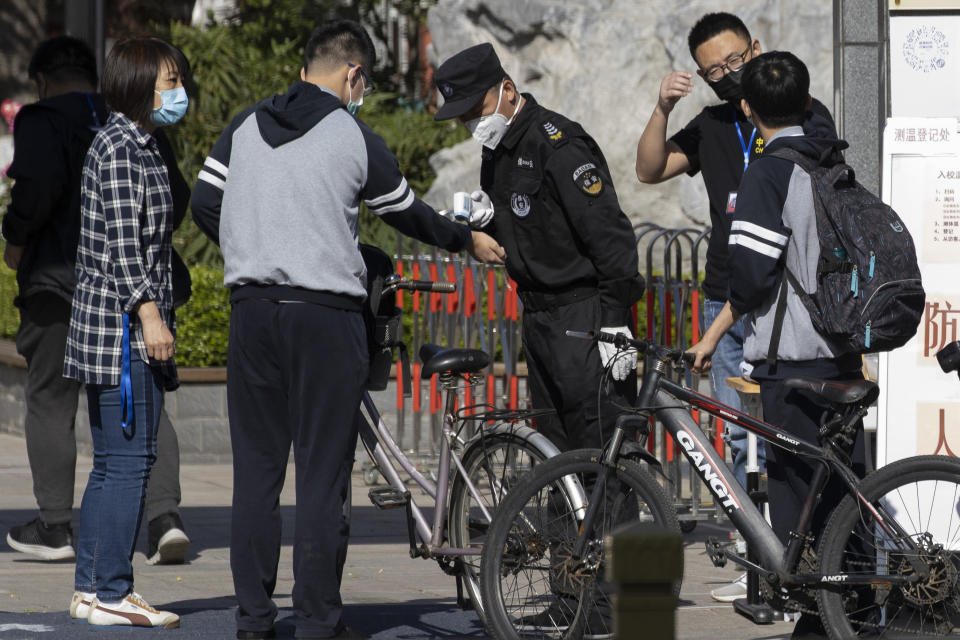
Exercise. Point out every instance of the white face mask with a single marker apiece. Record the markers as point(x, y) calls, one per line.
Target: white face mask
point(489, 130)
point(354, 107)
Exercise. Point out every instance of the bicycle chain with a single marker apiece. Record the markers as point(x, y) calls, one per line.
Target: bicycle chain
point(787, 602)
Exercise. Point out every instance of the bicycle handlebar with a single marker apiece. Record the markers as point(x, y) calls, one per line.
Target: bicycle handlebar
point(622, 341)
point(396, 282)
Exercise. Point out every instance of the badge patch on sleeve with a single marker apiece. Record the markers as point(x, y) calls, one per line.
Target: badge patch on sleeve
point(588, 180)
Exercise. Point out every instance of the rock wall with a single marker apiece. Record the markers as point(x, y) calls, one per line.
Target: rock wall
point(600, 62)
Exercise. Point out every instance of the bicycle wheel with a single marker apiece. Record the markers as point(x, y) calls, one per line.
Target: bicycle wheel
point(923, 495)
point(494, 464)
point(532, 584)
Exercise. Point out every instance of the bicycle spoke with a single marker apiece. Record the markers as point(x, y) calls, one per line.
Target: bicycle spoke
point(923, 497)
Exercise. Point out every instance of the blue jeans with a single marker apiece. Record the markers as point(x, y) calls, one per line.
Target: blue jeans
point(726, 364)
point(112, 504)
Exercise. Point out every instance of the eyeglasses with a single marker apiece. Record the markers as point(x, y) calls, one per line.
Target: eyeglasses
point(733, 63)
point(368, 86)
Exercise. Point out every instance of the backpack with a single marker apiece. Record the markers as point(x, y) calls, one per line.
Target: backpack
point(383, 322)
point(869, 293)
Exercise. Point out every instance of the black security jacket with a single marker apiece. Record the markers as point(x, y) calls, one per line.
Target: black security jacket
point(557, 214)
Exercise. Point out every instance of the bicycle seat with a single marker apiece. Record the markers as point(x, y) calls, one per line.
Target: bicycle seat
point(437, 359)
point(949, 357)
point(838, 391)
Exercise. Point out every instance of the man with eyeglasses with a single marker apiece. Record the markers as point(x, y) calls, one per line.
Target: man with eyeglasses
point(280, 194)
point(719, 143)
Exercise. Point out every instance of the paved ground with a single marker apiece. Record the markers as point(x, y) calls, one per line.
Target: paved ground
point(388, 595)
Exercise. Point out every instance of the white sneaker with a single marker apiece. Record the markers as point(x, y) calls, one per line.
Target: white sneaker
point(80, 604)
point(131, 611)
point(733, 591)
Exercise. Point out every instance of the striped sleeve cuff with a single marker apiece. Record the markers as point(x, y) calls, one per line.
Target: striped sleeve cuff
point(397, 200)
point(756, 238)
point(214, 172)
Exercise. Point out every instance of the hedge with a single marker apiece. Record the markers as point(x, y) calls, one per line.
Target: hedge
point(202, 324)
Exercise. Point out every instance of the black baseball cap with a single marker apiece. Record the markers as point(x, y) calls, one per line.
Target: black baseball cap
point(464, 78)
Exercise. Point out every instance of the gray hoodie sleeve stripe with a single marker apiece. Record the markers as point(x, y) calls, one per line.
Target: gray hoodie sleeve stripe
point(401, 205)
point(394, 195)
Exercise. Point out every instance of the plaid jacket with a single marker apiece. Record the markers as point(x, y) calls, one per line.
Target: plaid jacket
point(124, 254)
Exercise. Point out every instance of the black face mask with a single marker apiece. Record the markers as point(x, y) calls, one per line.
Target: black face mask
point(728, 88)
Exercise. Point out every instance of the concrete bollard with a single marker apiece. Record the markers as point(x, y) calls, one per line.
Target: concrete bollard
point(645, 564)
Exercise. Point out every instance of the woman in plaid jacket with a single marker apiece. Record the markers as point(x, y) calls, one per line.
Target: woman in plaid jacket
point(120, 341)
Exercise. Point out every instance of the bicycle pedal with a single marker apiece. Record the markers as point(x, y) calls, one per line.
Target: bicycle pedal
point(716, 551)
point(388, 497)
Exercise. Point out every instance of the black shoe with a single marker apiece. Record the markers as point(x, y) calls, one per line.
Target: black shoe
point(556, 617)
point(167, 542)
point(54, 542)
point(255, 635)
point(808, 627)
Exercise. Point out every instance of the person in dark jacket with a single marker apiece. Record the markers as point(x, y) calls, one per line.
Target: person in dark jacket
point(719, 143)
point(774, 227)
point(41, 228)
point(547, 195)
point(280, 194)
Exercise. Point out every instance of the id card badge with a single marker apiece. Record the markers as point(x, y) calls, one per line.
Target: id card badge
point(731, 203)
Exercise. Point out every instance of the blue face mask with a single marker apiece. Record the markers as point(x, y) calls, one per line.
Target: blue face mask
point(173, 106)
point(354, 107)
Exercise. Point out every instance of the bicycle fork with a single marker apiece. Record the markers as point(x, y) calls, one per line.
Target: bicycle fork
point(608, 461)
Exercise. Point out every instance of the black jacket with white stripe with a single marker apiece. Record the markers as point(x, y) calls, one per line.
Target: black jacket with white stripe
point(280, 193)
point(774, 224)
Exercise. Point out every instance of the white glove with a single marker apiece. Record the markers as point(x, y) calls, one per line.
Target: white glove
point(624, 361)
point(481, 213)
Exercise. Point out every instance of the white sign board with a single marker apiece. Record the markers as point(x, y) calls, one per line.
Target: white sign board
point(925, 65)
point(919, 405)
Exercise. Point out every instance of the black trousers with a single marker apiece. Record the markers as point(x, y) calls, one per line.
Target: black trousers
point(799, 412)
point(51, 403)
point(564, 375)
point(295, 375)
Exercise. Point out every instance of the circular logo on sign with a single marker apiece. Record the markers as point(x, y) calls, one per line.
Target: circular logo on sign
point(520, 203)
point(926, 49)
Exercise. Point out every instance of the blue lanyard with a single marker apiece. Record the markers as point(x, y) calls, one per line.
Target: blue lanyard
point(93, 110)
point(743, 146)
point(126, 383)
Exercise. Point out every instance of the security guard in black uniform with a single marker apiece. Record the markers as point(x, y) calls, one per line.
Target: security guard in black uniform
point(547, 197)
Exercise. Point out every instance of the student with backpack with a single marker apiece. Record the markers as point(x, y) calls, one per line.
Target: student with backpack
point(777, 257)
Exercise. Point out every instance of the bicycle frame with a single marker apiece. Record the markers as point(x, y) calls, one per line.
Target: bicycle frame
point(384, 450)
point(659, 394)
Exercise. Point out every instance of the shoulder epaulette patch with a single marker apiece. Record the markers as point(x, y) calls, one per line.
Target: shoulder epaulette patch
point(588, 179)
point(553, 133)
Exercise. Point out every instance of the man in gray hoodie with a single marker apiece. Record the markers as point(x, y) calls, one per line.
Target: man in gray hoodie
point(280, 193)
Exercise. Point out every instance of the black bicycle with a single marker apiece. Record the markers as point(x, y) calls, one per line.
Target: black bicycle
point(886, 566)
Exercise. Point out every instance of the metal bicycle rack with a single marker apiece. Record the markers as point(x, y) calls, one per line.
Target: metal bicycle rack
point(485, 314)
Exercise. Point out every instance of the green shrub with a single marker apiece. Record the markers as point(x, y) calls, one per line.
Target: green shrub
point(9, 316)
point(203, 324)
